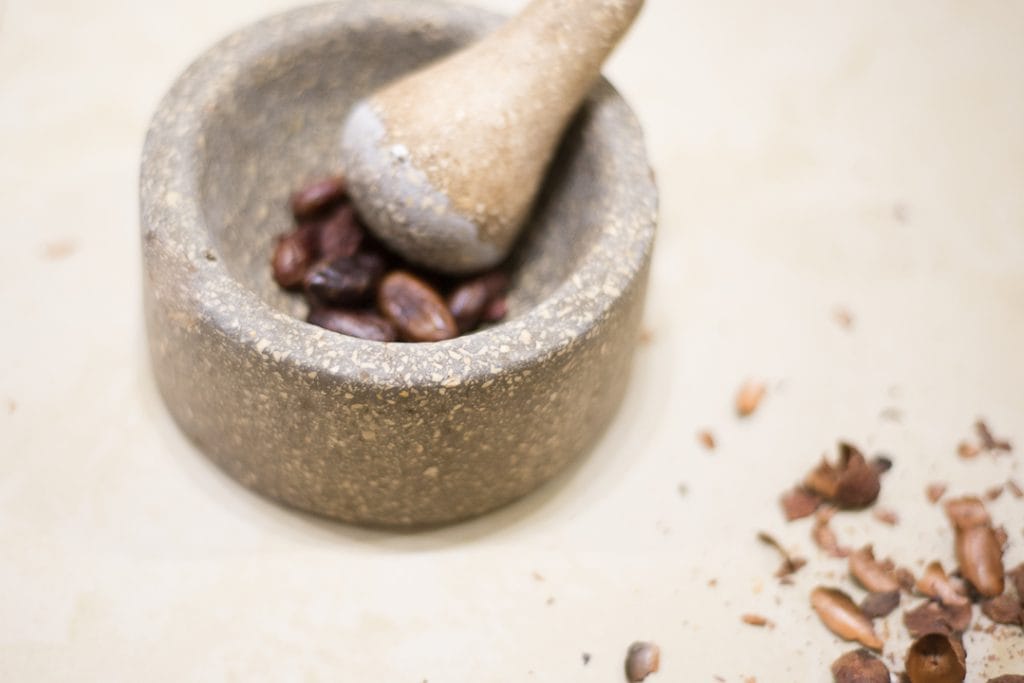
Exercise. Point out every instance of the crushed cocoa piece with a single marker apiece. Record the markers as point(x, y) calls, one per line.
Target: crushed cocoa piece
point(886, 516)
point(891, 414)
point(707, 439)
point(859, 666)
point(799, 502)
point(906, 579)
point(790, 563)
point(877, 605)
point(642, 659)
point(989, 442)
point(936, 584)
point(823, 535)
point(757, 620)
point(877, 576)
point(936, 658)
point(586, 658)
point(841, 616)
point(1007, 678)
point(1003, 609)
point(749, 397)
point(967, 451)
point(1014, 488)
point(853, 483)
point(934, 492)
point(934, 617)
point(881, 463)
point(994, 492)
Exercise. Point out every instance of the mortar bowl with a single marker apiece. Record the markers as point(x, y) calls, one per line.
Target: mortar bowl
point(390, 434)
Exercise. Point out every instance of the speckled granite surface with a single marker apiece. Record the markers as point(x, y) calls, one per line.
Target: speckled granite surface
point(866, 155)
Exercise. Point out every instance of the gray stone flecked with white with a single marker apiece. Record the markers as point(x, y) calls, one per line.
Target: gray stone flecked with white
point(368, 432)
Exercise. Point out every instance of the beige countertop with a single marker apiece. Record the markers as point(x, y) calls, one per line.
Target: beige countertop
point(866, 155)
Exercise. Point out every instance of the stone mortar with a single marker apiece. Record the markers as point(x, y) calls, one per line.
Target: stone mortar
point(367, 432)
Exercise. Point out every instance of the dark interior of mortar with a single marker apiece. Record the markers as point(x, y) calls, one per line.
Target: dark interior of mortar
point(277, 128)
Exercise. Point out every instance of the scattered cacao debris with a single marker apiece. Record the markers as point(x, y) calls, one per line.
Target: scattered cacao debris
point(586, 658)
point(1007, 678)
point(989, 442)
point(707, 439)
point(876, 576)
point(877, 605)
point(853, 483)
point(936, 658)
point(936, 584)
point(823, 535)
point(934, 617)
point(881, 463)
point(886, 516)
point(642, 659)
point(1003, 609)
point(934, 492)
point(841, 616)
point(799, 502)
point(859, 666)
point(1014, 488)
point(749, 397)
point(790, 563)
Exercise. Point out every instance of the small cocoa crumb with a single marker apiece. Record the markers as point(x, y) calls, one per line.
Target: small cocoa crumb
point(967, 451)
point(1003, 609)
point(756, 620)
point(877, 605)
point(707, 439)
point(994, 492)
point(891, 414)
point(586, 658)
point(1014, 488)
point(906, 579)
point(537, 576)
point(935, 491)
point(989, 442)
point(936, 658)
point(886, 516)
point(843, 317)
point(642, 659)
point(859, 666)
point(11, 406)
point(799, 502)
point(749, 397)
point(934, 617)
point(58, 250)
point(1007, 678)
point(646, 336)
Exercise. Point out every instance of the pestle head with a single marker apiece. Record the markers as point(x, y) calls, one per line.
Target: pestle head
point(445, 163)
